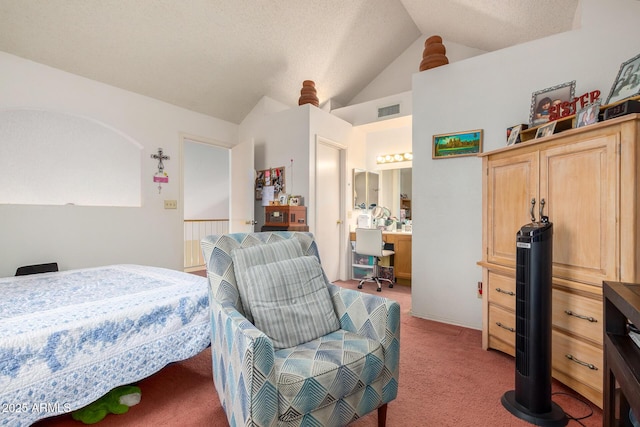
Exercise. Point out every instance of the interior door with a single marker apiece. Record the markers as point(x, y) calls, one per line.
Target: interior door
point(241, 212)
point(329, 221)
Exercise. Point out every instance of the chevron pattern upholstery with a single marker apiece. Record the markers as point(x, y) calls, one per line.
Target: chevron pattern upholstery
point(329, 381)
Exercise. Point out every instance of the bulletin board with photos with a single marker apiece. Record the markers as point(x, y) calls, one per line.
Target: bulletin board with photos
point(270, 178)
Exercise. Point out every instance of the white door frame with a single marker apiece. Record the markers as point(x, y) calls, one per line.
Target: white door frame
point(314, 195)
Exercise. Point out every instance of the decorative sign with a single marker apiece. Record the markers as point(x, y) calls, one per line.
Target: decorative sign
point(161, 177)
point(567, 108)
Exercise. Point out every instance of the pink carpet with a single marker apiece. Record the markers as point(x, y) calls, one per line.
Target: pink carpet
point(446, 379)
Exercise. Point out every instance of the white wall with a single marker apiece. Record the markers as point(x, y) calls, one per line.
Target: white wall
point(279, 137)
point(206, 181)
point(492, 92)
point(389, 141)
point(79, 236)
point(396, 78)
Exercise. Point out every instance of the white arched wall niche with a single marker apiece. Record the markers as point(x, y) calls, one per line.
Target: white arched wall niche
point(56, 158)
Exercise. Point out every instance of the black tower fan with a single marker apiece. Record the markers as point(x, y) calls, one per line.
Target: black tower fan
point(531, 399)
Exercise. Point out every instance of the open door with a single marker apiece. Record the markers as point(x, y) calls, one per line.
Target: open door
point(241, 196)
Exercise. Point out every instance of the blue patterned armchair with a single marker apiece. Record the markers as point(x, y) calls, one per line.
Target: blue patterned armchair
point(329, 381)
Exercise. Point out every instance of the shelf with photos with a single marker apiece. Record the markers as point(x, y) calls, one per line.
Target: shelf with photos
point(568, 122)
point(556, 109)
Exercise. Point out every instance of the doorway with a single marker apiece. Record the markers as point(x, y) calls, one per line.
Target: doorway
point(205, 196)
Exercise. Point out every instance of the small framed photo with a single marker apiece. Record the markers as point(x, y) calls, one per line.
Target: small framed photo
point(588, 115)
point(283, 199)
point(514, 134)
point(543, 100)
point(546, 130)
point(627, 83)
point(458, 144)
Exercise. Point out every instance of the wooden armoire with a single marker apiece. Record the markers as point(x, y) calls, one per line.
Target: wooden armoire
point(589, 181)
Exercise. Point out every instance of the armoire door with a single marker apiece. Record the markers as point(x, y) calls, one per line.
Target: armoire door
point(580, 185)
point(511, 185)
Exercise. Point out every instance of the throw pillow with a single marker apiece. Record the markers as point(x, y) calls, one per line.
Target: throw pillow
point(290, 301)
point(244, 258)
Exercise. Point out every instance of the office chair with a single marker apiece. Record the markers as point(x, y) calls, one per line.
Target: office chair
point(369, 242)
point(37, 268)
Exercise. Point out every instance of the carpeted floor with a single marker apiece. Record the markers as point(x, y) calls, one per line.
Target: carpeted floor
point(446, 379)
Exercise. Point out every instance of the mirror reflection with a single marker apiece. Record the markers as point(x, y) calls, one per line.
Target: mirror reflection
point(372, 188)
point(365, 188)
point(359, 187)
point(395, 192)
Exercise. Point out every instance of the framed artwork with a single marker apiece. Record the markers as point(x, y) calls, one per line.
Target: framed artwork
point(588, 115)
point(542, 100)
point(627, 83)
point(459, 144)
point(514, 134)
point(546, 130)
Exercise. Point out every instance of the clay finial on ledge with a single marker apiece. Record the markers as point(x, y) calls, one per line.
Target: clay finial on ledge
point(308, 93)
point(433, 54)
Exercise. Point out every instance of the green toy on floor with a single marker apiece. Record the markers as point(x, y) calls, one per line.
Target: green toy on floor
point(117, 401)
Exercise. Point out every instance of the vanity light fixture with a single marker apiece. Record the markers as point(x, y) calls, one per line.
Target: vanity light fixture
point(393, 158)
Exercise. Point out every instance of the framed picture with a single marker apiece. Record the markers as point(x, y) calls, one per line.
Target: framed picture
point(514, 134)
point(542, 100)
point(468, 143)
point(627, 83)
point(546, 130)
point(588, 115)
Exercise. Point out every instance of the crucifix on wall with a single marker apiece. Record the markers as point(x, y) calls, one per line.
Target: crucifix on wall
point(160, 176)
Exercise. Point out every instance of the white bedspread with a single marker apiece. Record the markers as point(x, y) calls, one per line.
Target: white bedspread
point(69, 337)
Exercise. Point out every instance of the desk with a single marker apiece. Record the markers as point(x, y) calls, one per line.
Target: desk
point(402, 259)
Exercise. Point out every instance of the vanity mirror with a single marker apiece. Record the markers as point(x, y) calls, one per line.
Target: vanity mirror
point(365, 188)
point(395, 191)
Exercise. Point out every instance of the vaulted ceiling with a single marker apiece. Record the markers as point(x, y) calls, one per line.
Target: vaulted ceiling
point(220, 57)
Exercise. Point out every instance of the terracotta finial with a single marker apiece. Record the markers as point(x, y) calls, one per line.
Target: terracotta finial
point(434, 54)
point(308, 93)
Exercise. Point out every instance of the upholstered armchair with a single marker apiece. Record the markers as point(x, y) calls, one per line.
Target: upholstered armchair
point(329, 381)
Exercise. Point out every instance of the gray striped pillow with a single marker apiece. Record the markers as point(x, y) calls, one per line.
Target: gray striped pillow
point(244, 258)
point(290, 301)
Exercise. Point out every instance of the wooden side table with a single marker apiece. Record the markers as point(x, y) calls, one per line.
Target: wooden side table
point(621, 354)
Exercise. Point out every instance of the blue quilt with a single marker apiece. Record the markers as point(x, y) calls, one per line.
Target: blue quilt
point(67, 338)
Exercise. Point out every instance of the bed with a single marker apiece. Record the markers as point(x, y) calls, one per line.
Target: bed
point(67, 338)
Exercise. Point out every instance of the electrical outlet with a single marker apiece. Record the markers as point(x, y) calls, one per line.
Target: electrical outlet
point(171, 204)
point(479, 289)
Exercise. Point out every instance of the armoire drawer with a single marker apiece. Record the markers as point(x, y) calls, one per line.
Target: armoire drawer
point(579, 314)
point(502, 290)
point(502, 329)
point(579, 361)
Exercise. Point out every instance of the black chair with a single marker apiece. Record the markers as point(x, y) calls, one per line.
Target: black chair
point(37, 268)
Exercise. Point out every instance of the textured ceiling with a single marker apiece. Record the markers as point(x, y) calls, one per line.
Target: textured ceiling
point(220, 57)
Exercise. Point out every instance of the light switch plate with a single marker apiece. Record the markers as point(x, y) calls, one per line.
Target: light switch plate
point(171, 204)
